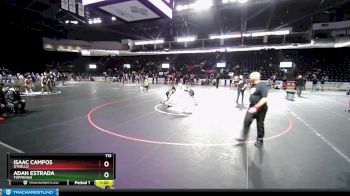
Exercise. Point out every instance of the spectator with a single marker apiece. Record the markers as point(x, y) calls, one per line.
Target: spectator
point(43, 82)
point(28, 84)
point(13, 98)
point(300, 85)
point(50, 82)
point(241, 88)
point(274, 78)
point(322, 83)
point(2, 102)
point(218, 77)
point(231, 80)
point(314, 84)
point(326, 78)
point(235, 80)
point(285, 79)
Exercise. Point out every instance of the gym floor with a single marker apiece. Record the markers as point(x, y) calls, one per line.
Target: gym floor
point(306, 144)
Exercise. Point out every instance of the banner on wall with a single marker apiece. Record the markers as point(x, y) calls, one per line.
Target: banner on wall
point(343, 86)
point(72, 6)
point(64, 4)
point(80, 9)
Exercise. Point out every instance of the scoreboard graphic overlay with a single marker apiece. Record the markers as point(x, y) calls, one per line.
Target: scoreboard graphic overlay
point(61, 169)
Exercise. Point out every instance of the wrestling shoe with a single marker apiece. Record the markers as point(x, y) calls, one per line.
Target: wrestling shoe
point(259, 142)
point(241, 139)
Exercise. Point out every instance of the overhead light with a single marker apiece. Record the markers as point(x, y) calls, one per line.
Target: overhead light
point(228, 1)
point(185, 7)
point(198, 5)
point(246, 34)
point(150, 42)
point(74, 22)
point(192, 6)
point(179, 8)
point(96, 21)
point(233, 1)
point(92, 66)
point(165, 65)
point(260, 34)
point(282, 32)
point(182, 7)
point(85, 52)
point(242, 1)
point(87, 2)
point(67, 21)
point(203, 5)
point(186, 39)
point(228, 36)
point(114, 18)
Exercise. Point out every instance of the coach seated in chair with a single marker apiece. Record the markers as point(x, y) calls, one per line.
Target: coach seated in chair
point(14, 100)
point(2, 102)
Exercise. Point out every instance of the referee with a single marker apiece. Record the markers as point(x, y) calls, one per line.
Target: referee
point(241, 88)
point(257, 109)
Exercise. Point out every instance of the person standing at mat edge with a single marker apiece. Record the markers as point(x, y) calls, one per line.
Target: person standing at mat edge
point(217, 80)
point(300, 85)
point(241, 88)
point(314, 84)
point(257, 109)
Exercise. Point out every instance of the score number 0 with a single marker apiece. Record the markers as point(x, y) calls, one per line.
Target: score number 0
point(106, 164)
